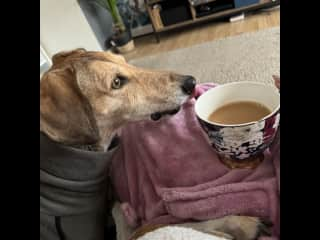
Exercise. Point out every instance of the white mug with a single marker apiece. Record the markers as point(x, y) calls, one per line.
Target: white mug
point(240, 141)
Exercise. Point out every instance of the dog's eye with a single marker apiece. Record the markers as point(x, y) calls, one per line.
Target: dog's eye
point(118, 82)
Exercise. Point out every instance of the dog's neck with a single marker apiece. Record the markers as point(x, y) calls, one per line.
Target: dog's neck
point(107, 131)
point(110, 142)
point(106, 141)
point(107, 136)
point(103, 145)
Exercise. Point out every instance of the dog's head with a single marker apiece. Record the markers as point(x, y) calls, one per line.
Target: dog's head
point(85, 94)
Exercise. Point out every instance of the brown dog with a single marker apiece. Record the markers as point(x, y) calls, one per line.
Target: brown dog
point(84, 98)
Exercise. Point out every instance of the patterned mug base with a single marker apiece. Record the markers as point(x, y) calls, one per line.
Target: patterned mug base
point(248, 163)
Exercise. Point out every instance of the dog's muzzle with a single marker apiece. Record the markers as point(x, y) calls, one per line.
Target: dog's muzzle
point(188, 86)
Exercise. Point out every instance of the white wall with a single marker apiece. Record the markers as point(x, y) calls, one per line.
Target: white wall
point(64, 27)
point(98, 18)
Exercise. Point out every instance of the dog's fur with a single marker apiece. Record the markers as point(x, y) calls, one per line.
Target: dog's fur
point(79, 107)
point(82, 106)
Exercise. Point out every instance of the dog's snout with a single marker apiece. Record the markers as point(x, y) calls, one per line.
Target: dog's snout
point(188, 84)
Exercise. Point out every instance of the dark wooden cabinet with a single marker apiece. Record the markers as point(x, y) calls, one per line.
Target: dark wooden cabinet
point(171, 14)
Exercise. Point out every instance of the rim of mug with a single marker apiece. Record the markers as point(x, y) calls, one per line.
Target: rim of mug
point(242, 124)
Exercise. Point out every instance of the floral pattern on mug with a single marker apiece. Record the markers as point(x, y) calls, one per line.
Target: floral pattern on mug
point(242, 142)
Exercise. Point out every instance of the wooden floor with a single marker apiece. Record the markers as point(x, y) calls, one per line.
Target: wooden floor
point(203, 32)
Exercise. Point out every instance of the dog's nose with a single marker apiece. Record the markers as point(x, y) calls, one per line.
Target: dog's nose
point(188, 85)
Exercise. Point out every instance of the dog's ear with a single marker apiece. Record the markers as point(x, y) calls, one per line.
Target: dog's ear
point(65, 113)
point(61, 56)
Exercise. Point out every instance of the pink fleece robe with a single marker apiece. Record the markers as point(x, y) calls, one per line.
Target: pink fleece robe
point(167, 172)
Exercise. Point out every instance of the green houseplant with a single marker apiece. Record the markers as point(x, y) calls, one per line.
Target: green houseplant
point(121, 37)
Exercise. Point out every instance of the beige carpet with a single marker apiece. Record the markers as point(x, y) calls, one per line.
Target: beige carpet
point(247, 57)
